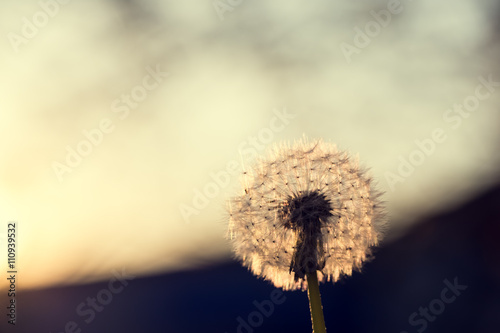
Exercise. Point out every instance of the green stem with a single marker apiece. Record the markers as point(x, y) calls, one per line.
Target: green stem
point(318, 321)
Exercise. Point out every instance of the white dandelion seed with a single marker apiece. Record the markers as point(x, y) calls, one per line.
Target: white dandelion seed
point(306, 209)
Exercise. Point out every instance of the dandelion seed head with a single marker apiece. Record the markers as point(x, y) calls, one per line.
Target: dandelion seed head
point(306, 207)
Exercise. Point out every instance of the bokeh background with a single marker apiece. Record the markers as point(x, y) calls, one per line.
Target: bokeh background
point(143, 198)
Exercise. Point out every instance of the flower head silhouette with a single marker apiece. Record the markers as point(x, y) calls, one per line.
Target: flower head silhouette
point(306, 208)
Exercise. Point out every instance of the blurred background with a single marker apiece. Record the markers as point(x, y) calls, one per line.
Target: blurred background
point(124, 126)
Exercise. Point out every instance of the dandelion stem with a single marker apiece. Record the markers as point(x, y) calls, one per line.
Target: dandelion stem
point(318, 321)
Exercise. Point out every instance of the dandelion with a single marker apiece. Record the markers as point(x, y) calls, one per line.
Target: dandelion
point(308, 213)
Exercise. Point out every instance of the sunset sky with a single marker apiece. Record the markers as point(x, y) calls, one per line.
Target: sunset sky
point(124, 126)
